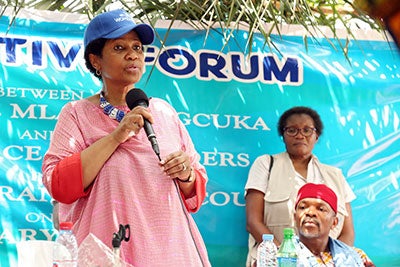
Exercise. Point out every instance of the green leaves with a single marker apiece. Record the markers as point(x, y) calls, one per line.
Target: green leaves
point(230, 15)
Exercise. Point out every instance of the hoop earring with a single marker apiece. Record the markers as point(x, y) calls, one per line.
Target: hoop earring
point(98, 72)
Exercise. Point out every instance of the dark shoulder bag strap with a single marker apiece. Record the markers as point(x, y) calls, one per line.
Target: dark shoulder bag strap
point(271, 162)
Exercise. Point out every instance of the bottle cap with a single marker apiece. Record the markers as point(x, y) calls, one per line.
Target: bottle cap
point(288, 232)
point(268, 237)
point(66, 225)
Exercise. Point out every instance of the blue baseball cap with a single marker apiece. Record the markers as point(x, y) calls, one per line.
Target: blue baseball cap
point(114, 24)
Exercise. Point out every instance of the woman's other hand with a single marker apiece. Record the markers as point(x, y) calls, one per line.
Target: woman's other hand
point(177, 165)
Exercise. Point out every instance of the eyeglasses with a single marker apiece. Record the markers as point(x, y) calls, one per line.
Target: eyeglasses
point(292, 131)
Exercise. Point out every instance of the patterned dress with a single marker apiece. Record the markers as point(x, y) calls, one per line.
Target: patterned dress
point(131, 187)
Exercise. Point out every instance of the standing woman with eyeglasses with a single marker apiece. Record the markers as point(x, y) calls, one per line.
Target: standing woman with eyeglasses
point(272, 187)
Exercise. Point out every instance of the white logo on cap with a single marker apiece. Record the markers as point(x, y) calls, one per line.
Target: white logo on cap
point(123, 17)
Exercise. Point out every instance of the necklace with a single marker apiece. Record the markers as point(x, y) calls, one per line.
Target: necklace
point(110, 110)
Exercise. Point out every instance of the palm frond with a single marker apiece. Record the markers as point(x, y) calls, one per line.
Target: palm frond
point(229, 15)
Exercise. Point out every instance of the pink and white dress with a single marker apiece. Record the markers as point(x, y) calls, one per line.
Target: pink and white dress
point(131, 188)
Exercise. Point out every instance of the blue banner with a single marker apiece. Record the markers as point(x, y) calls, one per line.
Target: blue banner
point(230, 101)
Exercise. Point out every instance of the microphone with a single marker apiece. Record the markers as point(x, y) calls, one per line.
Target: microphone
point(136, 97)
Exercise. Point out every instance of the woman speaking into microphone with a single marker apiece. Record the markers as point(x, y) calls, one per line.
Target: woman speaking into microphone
point(102, 169)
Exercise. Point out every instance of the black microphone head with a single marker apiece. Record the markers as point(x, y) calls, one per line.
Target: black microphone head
point(136, 97)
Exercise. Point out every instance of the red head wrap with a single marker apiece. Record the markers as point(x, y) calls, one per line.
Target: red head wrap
point(319, 191)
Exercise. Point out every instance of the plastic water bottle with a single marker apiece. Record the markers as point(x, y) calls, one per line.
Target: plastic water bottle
point(65, 252)
point(266, 252)
point(287, 253)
